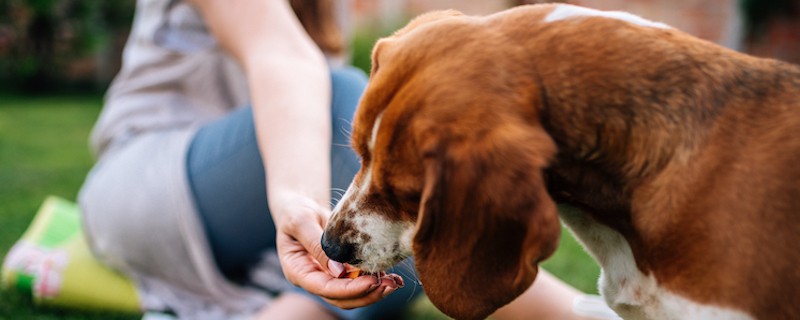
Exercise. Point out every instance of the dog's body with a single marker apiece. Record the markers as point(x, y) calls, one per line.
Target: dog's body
point(680, 155)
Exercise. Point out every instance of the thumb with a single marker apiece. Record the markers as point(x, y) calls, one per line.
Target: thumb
point(311, 238)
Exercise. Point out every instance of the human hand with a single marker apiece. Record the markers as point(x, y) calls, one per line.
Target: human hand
point(299, 230)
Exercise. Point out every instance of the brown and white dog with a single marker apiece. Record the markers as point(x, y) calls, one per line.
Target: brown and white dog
point(683, 156)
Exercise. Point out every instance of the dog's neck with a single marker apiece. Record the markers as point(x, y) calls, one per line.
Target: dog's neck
point(621, 111)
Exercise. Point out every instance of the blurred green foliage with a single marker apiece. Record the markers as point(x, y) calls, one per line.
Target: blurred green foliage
point(43, 151)
point(41, 39)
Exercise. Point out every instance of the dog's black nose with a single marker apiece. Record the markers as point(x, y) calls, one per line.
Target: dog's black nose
point(340, 252)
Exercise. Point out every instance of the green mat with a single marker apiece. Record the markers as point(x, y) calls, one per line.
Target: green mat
point(52, 262)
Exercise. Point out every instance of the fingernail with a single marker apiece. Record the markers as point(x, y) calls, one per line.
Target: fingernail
point(399, 281)
point(336, 268)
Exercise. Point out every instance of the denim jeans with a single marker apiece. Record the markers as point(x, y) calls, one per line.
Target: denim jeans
point(228, 183)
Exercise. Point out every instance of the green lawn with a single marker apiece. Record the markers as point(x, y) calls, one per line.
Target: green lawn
point(43, 151)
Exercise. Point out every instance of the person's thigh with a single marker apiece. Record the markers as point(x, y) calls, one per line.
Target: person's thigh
point(227, 180)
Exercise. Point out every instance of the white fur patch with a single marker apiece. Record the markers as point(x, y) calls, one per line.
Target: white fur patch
point(632, 294)
point(375, 127)
point(565, 11)
point(389, 241)
point(364, 188)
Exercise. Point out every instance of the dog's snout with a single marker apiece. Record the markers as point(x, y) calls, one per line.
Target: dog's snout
point(338, 251)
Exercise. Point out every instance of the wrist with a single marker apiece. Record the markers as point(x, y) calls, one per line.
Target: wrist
point(290, 209)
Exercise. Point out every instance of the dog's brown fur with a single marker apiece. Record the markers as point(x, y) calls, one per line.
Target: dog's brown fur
point(689, 150)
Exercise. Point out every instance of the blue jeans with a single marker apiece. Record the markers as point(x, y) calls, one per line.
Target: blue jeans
point(228, 182)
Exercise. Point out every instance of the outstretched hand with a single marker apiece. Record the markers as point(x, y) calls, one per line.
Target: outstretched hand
point(281, 59)
point(305, 264)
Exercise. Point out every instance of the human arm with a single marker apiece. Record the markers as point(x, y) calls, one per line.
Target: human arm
point(290, 92)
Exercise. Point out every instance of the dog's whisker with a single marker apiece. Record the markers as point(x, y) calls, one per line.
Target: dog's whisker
point(405, 269)
point(413, 290)
point(346, 129)
point(348, 122)
point(409, 276)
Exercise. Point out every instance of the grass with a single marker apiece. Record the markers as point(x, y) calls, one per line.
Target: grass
point(44, 151)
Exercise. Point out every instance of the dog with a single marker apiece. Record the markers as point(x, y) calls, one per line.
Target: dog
point(681, 156)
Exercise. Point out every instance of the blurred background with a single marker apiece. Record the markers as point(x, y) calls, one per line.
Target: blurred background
point(58, 56)
point(57, 45)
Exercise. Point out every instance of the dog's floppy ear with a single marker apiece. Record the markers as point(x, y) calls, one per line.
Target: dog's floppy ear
point(485, 220)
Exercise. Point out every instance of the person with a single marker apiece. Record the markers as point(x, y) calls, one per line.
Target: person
point(218, 146)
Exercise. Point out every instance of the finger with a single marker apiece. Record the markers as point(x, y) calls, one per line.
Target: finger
point(324, 216)
point(342, 289)
point(337, 269)
point(310, 236)
point(302, 270)
point(397, 279)
point(386, 287)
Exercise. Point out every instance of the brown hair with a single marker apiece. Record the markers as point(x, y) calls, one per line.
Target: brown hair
point(319, 20)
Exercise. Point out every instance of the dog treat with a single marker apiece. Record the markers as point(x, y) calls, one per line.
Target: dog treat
point(351, 272)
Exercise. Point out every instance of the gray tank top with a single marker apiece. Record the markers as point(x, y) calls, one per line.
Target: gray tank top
point(174, 74)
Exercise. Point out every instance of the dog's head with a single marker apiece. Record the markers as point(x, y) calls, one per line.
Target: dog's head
point(452, 157)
